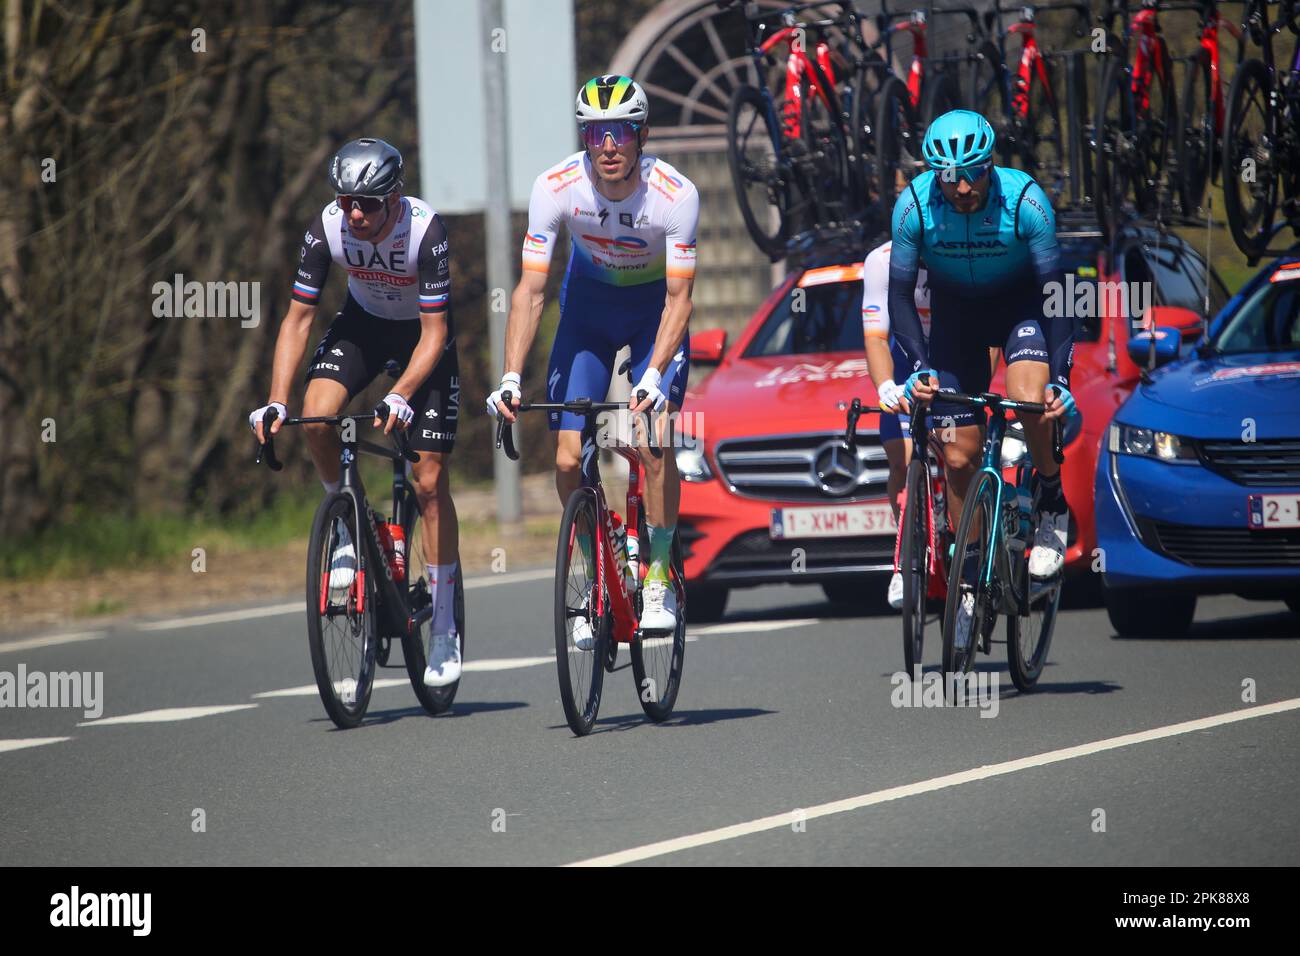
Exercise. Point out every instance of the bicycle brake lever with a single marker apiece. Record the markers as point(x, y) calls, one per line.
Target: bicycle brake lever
point(267, 448)
point(505, 434)
point(655, 450)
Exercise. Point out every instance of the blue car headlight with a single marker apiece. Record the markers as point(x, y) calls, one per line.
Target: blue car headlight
point(1149, 443)
point(691, 463)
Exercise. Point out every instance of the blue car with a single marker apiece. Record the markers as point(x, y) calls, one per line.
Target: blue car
point(1198, 477)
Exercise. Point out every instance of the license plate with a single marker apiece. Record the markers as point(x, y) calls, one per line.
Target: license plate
point(845, 521)
point(1274, 511)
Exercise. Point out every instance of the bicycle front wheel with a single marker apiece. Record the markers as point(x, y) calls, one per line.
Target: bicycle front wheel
point(1249, 180)
point(757, 172)
point(914, 563)
point(580, 632)
point(341, 614)
point(970, 599)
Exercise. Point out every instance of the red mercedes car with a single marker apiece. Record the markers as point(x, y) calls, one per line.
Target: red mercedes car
point(756, 508)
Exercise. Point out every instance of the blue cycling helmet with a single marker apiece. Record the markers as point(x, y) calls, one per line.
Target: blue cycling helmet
point(956, 139)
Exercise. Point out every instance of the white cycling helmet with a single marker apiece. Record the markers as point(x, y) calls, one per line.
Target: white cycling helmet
point(612, 97)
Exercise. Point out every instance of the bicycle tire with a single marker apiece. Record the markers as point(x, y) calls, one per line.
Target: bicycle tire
point(942, 94)
point(660, 708)
point(1250, 227)
point(986, 94)
point(1044, 139)
point(342, 658)
point(435, 700)
point(1196, 152)
point(1080, 122)
point(1158, 128)
point(1038, 624)
point(767, 171)
point(897, 141)
point(1114, 140)
point(581, 701)
point(979, 499)
point(914, 560)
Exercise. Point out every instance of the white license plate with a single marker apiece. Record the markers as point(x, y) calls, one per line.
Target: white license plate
point(1274, 511)
point(845, 521)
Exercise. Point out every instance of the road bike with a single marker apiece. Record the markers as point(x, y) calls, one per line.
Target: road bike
point(1137, 119)
point(596, 584)
point(989, 572)
point(1261, 147)
point(1202, 108)
point(360, 595)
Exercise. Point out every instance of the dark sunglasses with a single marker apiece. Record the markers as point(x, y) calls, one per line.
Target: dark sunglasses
point(368, 204)
point(622, 132)
point(972, 174)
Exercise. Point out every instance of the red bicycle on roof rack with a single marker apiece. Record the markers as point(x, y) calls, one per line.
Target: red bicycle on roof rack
point(1202, 107)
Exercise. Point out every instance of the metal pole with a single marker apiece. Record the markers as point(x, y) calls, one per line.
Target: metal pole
point(496, 215)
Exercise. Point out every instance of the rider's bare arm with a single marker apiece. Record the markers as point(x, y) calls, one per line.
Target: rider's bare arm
point(672, 327)
point(290, 346)
point(525, 315)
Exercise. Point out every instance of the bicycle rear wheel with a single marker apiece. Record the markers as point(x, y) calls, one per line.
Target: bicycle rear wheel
point(914, 561)
point(581, 671)
point(763, 189)
point(1029, 634)
point(1249, 138)
point(1044, 139)
point(970, 599)
point(1196, 152)
point(341, 614)
point(435, 700)
point(898, 143)
point(657, 659)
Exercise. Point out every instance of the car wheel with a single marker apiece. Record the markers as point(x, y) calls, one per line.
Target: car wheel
point(1137, 612)
point(705, 604)
point(1293, 603)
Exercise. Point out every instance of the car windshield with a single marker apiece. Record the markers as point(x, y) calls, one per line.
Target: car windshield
point(819, 318)
point(1269, 321)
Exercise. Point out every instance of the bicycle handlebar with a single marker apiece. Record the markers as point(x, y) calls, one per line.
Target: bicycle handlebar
point(578, 406)
point(267, 449)
point(995, 401)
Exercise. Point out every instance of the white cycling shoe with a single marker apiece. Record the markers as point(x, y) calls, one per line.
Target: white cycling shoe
point(895, 595)
point(658, 607)
point(343, 562)
point(584, 639)
point(1048, 555)
point(965, 613)
point(444, 661)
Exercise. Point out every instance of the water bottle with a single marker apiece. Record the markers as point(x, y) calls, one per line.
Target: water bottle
point(633, 560)
point(620, 542)
point(1025, 504)
point(397, 557)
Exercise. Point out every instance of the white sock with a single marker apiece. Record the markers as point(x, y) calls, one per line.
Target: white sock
point(442, 593)
point(331, 486)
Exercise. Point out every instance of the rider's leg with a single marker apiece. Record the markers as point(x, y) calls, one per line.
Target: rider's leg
point(1027, 382)
point(430, 478)
point(324, 398)
point(962, 449)
point(663, 495)
point(568, 463)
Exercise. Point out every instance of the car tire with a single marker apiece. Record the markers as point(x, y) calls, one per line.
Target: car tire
point(707, 604)
point(1293, 603)
point(1138, 612)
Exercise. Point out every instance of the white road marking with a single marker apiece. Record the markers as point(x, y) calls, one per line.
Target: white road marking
point(309, 690)
point(777, 821)
point(166, 714)
point(25, 742)
point(745, 627)
point(224, 617)
point(49, 641)
point(506, 663)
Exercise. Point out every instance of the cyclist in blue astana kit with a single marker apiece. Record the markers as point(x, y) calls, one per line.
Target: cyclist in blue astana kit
point(395, 251)
point(631, 221)
point(988, 236)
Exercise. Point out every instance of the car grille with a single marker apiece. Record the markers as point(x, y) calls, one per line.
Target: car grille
point(780, 467)
point(1225, 547)
point(1274, 462)
point(754, 557)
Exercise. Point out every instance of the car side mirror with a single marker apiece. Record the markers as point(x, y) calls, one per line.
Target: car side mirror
point(1166, 342)
point(707, 347)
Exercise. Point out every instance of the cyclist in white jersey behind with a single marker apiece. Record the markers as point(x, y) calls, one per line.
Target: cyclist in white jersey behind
point(631, 221)
point(395, 251)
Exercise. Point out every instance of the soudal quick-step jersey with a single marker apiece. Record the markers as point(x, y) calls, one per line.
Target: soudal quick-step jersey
point(647, 237)
point(1004, 246)
point(406, 274)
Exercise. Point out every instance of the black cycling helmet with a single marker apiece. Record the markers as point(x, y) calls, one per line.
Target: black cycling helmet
point(366, 167)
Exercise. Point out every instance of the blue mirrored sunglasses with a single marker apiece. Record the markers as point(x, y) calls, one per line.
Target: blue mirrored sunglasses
point(972, 174)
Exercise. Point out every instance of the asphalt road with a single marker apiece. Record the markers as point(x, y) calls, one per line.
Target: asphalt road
point(786, 747)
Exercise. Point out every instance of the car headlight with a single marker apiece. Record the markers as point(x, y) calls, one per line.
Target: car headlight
point(1148, 443)
point(691, 463)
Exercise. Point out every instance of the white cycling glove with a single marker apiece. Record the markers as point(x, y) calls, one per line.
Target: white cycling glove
point(891, 393)
point(281, 413)
point(398, 406)
point(650, 382)
point(510, 382)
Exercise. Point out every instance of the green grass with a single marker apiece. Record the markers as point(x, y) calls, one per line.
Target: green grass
point(95, 542)
point(98, 608)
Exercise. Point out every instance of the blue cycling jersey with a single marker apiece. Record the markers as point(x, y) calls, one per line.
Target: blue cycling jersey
point(1002, 246)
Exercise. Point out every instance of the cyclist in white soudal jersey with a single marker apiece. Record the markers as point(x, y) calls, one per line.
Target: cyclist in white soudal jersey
point(631, 220)
point(395, 251)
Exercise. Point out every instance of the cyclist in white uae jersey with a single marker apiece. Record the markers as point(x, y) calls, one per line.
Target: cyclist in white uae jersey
point(631, 221)
point(395, 251)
